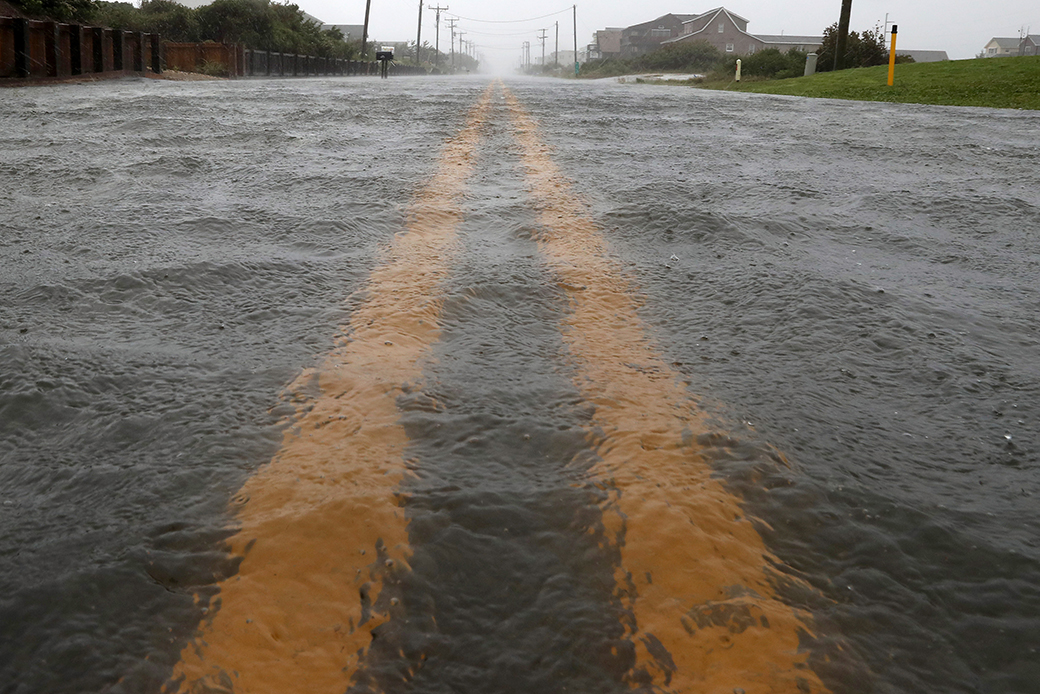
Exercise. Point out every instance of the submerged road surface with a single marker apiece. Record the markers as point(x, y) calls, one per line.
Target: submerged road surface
point(456, 385)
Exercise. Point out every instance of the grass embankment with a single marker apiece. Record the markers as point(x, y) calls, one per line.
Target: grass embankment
point(992, 82)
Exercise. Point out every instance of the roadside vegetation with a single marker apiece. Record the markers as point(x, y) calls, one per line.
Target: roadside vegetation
point(991, 82)
point(691, 56)
point(259, 24)
point(699, 57)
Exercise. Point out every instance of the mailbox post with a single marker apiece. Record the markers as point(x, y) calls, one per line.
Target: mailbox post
point(385, 56)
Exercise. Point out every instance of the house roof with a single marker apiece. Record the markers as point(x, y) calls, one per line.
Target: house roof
point(713, 12)
point(351, 32)
point(786, 39)
point(925, 56)
point(1035, 38)
point(1004, 42)
point(658, 20)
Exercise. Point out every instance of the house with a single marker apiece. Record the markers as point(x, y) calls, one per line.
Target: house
point(925, 56)
point(351, 32)
point(1030, 45)
point(606, 43)
point(728, 33)
point(648, 36)
point(1001, 48)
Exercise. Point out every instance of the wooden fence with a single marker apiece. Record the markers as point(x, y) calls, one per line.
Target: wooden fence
point(35, 50)
point(270, 64)
point(48, 50)
point(233, 60)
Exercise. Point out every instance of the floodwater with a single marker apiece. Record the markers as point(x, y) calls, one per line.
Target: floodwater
point(450, 385)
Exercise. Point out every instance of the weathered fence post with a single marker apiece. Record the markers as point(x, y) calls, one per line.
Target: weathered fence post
point(63, 50)
point(52, 47)
point(139, 52)
point(118, 49)
point(97, 35)
point(22, 59)
point(156, 58)
point(76, 49)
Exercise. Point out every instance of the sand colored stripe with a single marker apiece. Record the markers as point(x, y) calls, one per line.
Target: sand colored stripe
point(322, 532)
point(695, 575)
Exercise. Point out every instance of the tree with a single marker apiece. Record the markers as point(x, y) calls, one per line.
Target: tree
point(171, 20)
point(238, 21)
point(61, 10)
point(861, 50)
point(259, 24)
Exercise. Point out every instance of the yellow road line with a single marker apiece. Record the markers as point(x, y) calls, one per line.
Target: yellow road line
point(694, 572)
point(322, 533)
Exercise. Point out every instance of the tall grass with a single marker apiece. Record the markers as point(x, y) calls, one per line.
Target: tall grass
point(991, 82)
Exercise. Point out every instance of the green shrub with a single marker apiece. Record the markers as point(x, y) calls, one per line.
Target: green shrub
point(773, 64)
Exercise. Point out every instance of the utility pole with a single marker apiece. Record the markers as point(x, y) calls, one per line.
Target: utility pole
point(576, 40)
point(418, 37)
point(364, 31)
point(841, 43)
point(557, 45)
point(542, 39)
point(437, 56)
point(452, 22)
point(461, 34)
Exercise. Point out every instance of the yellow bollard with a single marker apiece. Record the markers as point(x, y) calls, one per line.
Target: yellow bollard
point(892, 58)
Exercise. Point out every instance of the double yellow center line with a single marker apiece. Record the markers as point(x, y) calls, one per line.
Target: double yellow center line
point(323, 537)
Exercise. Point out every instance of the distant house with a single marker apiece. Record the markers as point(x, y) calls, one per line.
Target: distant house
point(648, 36)
point(351, 32)
point(728, 33)
point(606, 43)
point(1001, 48)
point(925, 56)
point(1030, 45)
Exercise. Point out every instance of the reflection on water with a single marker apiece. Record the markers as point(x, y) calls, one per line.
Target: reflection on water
point(822, 275)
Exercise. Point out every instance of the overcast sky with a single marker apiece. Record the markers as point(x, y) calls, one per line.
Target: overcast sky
point(959, 27)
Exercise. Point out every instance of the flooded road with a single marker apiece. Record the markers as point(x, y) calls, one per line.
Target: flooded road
point(468, 386)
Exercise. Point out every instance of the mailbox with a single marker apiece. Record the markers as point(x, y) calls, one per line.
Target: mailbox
point(385, 53)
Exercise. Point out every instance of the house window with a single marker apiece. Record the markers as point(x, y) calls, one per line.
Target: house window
point(751, 49)
point(660, 32)
point(729, 47)
point(722, 27)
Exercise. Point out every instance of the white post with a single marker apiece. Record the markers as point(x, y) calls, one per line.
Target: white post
point(738, 69)
point(810, 64)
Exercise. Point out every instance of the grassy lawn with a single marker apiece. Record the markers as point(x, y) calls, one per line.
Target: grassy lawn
point(992, 82)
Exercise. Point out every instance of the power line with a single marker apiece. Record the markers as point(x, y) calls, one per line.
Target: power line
point(485, 33)
point(510, 21)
